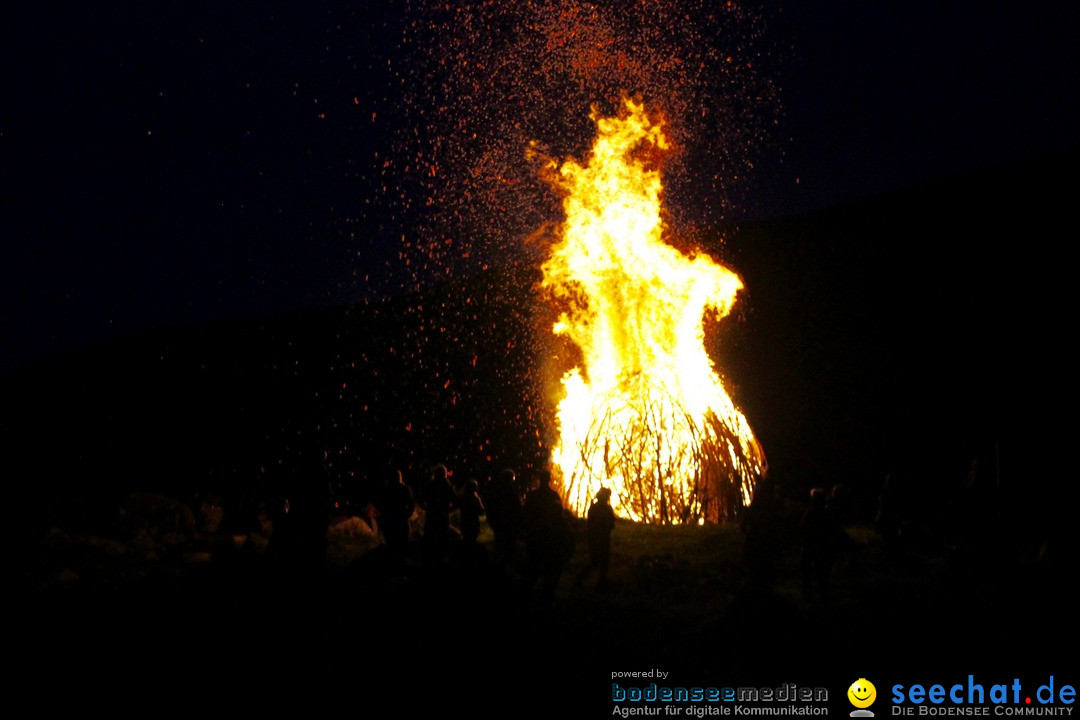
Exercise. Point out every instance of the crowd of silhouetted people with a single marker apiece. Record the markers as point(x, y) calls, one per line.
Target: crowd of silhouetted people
point(531, 533)
point(442, 524)
point(515, 528)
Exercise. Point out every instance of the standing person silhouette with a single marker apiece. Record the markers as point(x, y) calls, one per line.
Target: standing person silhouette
point(502, 504)
point(438, 497)
point(396, 505)
point(469, 556)
point(549, 542)
point(599, 524)
point(821, 535)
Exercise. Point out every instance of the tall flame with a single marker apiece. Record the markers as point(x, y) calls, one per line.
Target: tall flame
point(645, 414)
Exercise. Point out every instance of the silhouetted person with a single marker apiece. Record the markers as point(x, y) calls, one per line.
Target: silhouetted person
point(599, 524)
point(889, 520)
point(821, 541)
point(502, 504)
point(838, 503)
point(299, 539)
point(979, 509)
point(469, 555)
point(438, 498)
point(472, 509)
point(549, 542)
point(396, 505)
point(761, 537)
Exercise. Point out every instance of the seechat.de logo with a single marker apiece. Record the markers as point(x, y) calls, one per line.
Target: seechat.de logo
point(1053, 697)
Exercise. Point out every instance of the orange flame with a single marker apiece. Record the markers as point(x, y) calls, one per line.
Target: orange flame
point(645, 414)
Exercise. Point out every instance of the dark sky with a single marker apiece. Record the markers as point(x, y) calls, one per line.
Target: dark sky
point(177, 162)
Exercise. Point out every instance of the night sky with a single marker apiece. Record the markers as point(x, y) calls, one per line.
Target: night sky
point(173, 163)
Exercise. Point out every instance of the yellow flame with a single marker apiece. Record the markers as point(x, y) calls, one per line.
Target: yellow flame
point(645, 414)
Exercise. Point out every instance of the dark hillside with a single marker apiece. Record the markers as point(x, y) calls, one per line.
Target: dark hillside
point(408, 382)
point(914, 332)
point(910, 333)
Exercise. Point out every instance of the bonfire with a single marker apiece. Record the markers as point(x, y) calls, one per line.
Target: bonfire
point(644, 413)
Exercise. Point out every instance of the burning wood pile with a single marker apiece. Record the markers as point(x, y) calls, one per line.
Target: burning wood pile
point(644, 411)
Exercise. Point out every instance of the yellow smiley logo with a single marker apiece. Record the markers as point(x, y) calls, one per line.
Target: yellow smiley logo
point(862, 693)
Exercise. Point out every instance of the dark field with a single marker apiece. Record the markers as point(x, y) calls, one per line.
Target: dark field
point(234, 632)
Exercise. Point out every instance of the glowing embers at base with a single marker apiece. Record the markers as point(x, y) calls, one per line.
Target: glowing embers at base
point(645, 413)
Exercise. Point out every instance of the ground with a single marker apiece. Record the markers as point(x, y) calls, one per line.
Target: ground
point(109, 628)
